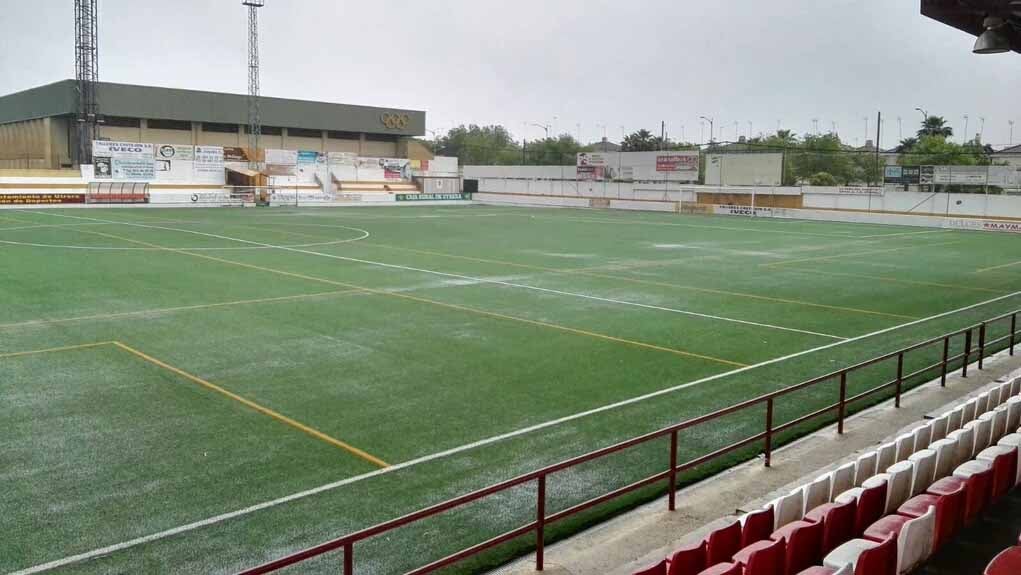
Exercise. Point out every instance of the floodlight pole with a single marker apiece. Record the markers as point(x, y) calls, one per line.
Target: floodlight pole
point(86, 60)
point(254, 117)
point(711, 129)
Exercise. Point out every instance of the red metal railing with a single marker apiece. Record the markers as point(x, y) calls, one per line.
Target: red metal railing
point(542, 520)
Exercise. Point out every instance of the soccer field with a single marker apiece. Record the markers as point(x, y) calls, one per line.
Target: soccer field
point(200, 391)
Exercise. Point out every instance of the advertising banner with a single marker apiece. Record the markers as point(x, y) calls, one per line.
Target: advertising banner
point(984, 225)
point(234, 154)
point(282, 157)
point(124, 161)
point(174, 163)
point(902, 175)
point(734, 210)
point(431, 197)
point(687, 162)
point(309, 164)
point(590, 159)
point(208, 165)
point(37, 199)
point(591, 173)
point(395, 169)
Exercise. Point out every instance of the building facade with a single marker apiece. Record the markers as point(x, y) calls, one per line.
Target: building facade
point(38, 131)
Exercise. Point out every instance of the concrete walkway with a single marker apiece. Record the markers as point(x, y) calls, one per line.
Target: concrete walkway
point(649, 533)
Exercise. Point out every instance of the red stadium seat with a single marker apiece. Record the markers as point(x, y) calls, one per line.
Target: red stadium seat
point(838, 523)
point(763, 558)
point(1006, 563)
point(758, 526)
point(1004, 460)
point(868, 557)
point(724, 543)
point(889, 526)
point(804, 544)
point(978, 491)
point(657, 569)
point(871, 506)
point(724, 569)
point(689, 561)
point(949, 513)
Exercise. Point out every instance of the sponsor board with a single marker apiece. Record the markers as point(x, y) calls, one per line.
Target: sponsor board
point(983, 225)
point(38, 199)
point(677, 163)
point(734, 210)
point(431, 197)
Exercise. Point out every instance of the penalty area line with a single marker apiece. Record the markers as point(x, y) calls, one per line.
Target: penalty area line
point(100, 552)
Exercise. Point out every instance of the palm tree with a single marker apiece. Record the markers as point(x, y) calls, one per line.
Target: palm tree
point(906, 144)
point(935, 126)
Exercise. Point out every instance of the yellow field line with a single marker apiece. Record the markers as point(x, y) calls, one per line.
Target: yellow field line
point(999, 267)
point(106, 316)
point(548, 325)
point(257, 407)
point(896, 280)
point(55, 349)
point(856, 254)
point(211, 386)
point(655, 283)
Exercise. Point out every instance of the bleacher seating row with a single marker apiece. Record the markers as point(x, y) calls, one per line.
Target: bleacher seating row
point(883, 514)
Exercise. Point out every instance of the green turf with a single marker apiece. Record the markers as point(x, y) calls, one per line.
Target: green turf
point(511, 317)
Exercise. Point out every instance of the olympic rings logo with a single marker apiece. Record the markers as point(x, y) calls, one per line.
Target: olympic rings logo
point(395, 121)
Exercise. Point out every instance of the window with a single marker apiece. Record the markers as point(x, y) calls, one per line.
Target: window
point(220, 128)
point(303, 133)
point(335, 135)
point(381, 137)
point(169, 125)
point(119, 122)
point(267, 130)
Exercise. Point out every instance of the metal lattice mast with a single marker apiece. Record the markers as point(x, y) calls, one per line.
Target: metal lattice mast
point(254, 119)
point(86, 61)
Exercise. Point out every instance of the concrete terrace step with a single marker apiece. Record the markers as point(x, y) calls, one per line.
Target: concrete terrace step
point(396, 187)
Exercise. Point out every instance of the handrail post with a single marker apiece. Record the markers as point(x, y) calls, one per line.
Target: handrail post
point(843, 400)
point(540, 523)
point(1013, 331)
point(981, 345)
point(946, 360)
point(900, 378)
point(967, 352)
point(769, 432)
point(673, 471)
point(349, 558)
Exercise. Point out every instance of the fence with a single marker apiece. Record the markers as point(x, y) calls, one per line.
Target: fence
point(976, 344)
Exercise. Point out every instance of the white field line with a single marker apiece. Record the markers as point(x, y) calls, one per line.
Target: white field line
point(476, 279)
point(909, 234)
point(466, 447)
point(168, 310)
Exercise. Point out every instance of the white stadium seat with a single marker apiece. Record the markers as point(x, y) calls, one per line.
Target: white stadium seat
point(866, 468)
point(924, 462)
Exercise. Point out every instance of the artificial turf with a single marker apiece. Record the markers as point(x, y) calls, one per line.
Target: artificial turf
point(402, 333)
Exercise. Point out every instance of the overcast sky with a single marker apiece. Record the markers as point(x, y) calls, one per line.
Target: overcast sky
point(620, 63)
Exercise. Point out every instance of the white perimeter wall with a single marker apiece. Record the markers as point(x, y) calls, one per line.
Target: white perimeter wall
point(920, 203)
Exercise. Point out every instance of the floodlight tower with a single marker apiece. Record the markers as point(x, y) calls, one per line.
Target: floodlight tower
point(254, 119)
point(86, 63)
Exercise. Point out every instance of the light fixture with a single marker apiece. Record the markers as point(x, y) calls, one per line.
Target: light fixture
point(992, 41)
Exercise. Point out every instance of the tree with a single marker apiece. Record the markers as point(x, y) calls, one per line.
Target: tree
point(641, 141)
point(479, 145)
point(552, 151)
point(822, 154)
point(935, 126)
point(906, 144)
point(937, 151)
